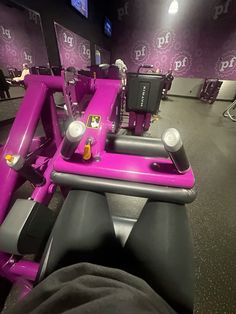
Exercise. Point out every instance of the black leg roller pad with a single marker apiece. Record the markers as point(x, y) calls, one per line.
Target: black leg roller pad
point(83, 232)
point(159, 250)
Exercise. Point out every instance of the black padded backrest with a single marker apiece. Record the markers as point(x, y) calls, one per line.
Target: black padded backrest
point(144, 92)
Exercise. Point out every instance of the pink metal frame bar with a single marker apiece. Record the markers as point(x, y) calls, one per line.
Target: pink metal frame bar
point(38, 103)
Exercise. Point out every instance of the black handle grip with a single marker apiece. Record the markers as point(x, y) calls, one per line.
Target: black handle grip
point(73, 135)
point(174, 146)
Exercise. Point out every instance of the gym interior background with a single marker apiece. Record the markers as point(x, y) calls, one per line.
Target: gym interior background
point(196, 41)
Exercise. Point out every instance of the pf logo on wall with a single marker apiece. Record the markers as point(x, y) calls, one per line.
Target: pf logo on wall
point(181, 63)
point(6, 34)
point(164, 40)
point(221, 8)
point(84, 49)
point(122, 11)
point(226, 64)
point(140, 52)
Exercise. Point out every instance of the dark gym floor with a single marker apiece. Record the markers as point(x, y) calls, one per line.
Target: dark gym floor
point(209, 142)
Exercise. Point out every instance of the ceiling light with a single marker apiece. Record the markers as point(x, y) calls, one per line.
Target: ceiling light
point(174, 7)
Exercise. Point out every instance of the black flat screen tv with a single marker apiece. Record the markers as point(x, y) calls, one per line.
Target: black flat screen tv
point(81, 6)
point(107, 27)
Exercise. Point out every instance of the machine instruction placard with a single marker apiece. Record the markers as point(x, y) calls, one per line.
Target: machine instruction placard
point(93, 121)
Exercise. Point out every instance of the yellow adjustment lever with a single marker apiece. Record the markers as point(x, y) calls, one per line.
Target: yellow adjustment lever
point(87, 152)
point(9, 158)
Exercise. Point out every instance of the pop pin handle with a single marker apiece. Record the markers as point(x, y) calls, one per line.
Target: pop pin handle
point(174, 146)
point(19, 164)
point(73, 136)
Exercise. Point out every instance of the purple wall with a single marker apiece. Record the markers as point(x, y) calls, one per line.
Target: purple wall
point(199, 41)
point(74, 50)
point(21, 39)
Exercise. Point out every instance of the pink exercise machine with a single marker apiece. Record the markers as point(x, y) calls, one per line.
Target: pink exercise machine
point(89, 158)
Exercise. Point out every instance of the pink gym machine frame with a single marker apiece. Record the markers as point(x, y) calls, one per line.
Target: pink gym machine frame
point(44, 153)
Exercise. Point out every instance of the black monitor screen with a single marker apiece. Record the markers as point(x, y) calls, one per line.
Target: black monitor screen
point(107, 27)
point(81, 6)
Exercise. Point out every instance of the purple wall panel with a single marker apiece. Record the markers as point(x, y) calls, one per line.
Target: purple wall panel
point(74, 50)
point(199, 41)
point(21, 39)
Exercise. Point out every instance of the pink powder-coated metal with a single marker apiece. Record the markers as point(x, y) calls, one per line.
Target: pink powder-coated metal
point(55, 83)
point(55, 124)
point(116, 166)
point(6, 261)
point(25, 287)
point(139, 122)
point(19, 140)
point(25, 269)
point(74, 91)
point(158, 171)
point(13, 269)
point(102, 104)
point(23, 129)
point(45, 154)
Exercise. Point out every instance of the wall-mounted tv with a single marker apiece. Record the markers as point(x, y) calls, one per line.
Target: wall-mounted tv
point(107, 27)
point(81, 6)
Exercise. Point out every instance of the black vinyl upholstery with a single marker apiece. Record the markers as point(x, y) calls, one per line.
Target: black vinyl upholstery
point(83, 232)
point(159, 250)
point(144, 92)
